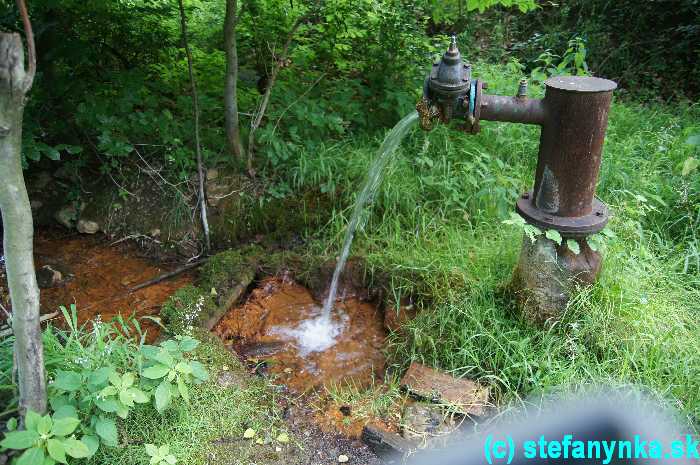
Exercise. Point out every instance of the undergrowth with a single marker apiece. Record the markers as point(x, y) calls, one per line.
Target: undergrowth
point(436, 229)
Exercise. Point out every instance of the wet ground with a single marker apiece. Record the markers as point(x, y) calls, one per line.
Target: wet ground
point(97, 276)
point(265, 329)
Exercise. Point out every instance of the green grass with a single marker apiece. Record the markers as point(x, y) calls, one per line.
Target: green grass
point(436, 228)
point(213, 414)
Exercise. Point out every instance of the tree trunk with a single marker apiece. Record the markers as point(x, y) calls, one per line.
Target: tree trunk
point(198, 148)
point(233, 132)
point(17, 225)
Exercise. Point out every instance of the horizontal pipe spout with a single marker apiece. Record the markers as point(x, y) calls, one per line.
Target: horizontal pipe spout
point(512, 109)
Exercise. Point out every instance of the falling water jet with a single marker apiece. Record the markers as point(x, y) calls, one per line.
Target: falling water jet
point(374, 178)
point(319, 333)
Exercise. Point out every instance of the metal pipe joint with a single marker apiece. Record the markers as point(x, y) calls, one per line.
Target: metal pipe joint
point(573, 116)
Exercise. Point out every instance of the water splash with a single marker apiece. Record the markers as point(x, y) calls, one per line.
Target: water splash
point(374, 178)
point(314, 334)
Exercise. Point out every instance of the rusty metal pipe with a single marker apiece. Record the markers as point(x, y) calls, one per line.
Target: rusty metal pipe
point(512, 109)
point(571, 144)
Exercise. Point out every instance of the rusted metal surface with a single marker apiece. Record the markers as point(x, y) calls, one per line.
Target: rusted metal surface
point(573, 116)
point(512, 109)
point(576, 227)
point(571, 145)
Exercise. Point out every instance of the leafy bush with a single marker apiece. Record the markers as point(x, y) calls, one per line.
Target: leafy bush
point(98, 375)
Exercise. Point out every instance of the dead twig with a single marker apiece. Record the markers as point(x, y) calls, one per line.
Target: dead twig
point(167, 275)
point(42, 319)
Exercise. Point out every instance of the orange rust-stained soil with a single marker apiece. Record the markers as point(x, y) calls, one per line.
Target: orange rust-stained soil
point(256, 330)
point(97, 276)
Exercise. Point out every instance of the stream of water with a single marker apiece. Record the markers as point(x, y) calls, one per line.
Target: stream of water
point(374, 178)
point(320, 332)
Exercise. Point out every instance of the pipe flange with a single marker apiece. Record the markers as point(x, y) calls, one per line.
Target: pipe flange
point(572, 227)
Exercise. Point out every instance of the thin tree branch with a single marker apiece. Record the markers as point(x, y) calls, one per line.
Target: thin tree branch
point(31, 50)
point(195, 104)
point(278, 62)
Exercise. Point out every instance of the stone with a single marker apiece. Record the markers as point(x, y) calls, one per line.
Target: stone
point(67, 216)
point(548, 275)
point(387, 445)
point(343, 458)
point(212, 173)
point(425, 421)
point(88, 227)
point(48, 277)
point(463, 395)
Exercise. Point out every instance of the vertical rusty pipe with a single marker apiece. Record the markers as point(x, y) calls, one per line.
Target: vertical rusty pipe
point(571, 144)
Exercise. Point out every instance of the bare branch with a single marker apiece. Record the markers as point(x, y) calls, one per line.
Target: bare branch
point(31, 50)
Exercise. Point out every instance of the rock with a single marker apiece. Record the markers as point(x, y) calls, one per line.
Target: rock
point(66, 216)
point(547, 276)
point(88, 227)
point(212, 173)
point(387, 445)
point(343, 458)
point(424, 421)
point(48, 277)
point(463, 395)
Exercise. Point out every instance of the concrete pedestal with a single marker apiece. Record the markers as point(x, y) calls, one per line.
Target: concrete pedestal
point(547, 276)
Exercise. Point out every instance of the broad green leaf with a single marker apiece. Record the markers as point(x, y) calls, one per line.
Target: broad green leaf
point(140, 397)
point(107, 405)
point(115, 379)
point(100, 376)
point(56, 450)
point(182, 389)
point(76, 449)
point(183, 367)
point(170, 458)
point(163, 395)
point(122, 411)
point(49, 461)
point(126, 396)
point(92, 443)
point(156, 371)
point(164, 450)
point(31, 456)
point(106, 429)
point(65, 411)
point(67, 381)
point(188, 344)
point(553, 235)
point(44, 424)
point(573, 246)
point(20, 439)
point(149, 351)
point(170, 345)
point(65, 426)
point(108, 391)
point(199, 371)
point(151, 449)
point(165, 358)
point(249, 433)
point(11, 424)
point(693, 140)
point(31, 420)
point(128, 380)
